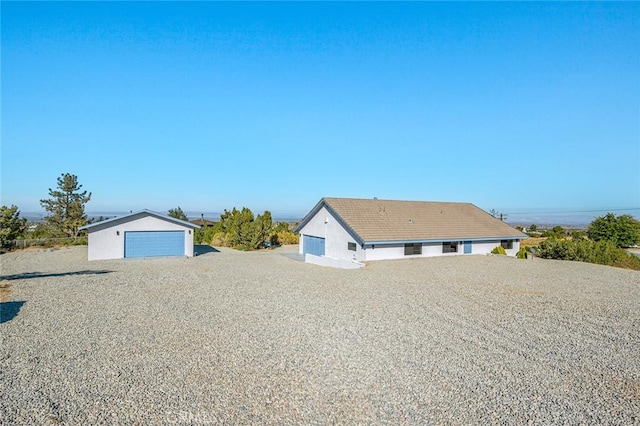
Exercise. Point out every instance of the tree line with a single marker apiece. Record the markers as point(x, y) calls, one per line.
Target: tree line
point(242, 230)
point(65, 209)
point(603, 242)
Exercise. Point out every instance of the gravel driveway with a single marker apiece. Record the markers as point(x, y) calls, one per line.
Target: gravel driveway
point(233, 337)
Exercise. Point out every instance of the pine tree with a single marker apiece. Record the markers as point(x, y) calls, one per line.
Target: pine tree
point(66, 206)
point(177, 213)
point(11, 225)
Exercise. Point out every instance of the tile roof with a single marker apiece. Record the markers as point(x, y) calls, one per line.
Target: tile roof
point(376, 220)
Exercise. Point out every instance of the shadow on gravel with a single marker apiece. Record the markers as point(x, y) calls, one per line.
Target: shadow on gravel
point(27, 275)
point(199, 249)
point(9, 310)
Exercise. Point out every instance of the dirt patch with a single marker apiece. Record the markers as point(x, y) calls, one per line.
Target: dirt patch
point(5, 290)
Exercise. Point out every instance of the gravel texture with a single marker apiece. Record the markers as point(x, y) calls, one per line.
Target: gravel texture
point(235, 337)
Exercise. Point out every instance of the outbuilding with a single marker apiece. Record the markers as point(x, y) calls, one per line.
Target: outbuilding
point(360, 230)
point(140, 234)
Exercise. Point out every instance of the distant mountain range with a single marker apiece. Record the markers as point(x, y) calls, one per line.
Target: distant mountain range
point(567, 220)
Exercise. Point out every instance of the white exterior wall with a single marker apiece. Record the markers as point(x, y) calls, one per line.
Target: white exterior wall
point(396, 251)
point(485, 247)
point(325, 225)
point(388, 251)
point(107, 244)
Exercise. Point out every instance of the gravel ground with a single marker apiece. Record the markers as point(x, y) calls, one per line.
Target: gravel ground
point(234, 337)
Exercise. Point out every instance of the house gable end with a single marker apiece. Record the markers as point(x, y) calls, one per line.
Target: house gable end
point(135, 216)
point(318, 207)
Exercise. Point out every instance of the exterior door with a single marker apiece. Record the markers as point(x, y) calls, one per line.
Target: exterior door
point(313, 245)
point(467, 247)
point(153, 243)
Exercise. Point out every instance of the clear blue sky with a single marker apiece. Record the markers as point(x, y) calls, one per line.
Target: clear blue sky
point(510, 106)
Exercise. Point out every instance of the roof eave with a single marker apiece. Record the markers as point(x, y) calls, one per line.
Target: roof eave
point(149, 212)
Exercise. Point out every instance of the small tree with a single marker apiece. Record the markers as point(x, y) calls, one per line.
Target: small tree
point(177, 213)
point(239, 229)
point(262, 227)
point(11, 225)
point(66, 206)
point(623, 230)
point(236, 226)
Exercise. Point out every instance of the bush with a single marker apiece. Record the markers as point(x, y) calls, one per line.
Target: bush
point(576, 234)
point(283, 234)
point(623, 230)
point(522, 253)
point(284, 237)
point(499, 250)
point(220, 239)
point(241, 230)
point(555, 232)
point(204, 235)
point(600, 252)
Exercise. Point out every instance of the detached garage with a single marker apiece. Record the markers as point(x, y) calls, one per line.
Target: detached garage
point(140, 234)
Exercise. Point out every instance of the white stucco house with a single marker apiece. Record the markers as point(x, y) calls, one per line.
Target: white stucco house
point(359, 230)
point(140, 234)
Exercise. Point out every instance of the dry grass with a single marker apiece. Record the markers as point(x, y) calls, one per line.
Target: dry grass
point(532, 242)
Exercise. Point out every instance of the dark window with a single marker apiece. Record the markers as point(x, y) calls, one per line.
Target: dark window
point(506, 244)
point(450, 247)
point(351, 246)
point(410, 249)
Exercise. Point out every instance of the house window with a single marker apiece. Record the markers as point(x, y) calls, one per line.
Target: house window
point(412, 248)
point(506, 244)
point(351, 246)
point(450, 247)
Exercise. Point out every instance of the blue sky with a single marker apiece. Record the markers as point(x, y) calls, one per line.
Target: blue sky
point(511, 106)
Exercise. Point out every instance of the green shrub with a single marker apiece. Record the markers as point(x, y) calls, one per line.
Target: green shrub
point(221, 239)
point(284, 238)
point(555, 232)
point(600, 252)
point(522, 253)
point(204, 235)
point(283, 234)
point(623, 230)
point(499, 250)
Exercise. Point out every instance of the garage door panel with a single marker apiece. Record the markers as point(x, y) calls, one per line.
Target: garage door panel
point(153, 243)
point(313, 245)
